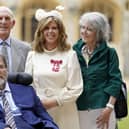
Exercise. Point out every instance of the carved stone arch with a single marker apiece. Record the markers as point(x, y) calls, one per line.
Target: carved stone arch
point(26, 13)
point(111, 9)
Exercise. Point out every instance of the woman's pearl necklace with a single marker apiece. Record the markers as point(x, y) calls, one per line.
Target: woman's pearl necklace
point(89, 53)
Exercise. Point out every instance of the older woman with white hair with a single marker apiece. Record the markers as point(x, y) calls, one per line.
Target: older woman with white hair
point(101, 75)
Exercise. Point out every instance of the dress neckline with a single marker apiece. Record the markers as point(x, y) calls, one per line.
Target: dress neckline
point(50, 51)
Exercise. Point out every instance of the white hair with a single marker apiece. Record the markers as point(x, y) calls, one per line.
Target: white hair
point(8, 10)
point(99, 22)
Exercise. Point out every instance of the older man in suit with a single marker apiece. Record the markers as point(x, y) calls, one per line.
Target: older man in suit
point(26, 109)
point(16, 50)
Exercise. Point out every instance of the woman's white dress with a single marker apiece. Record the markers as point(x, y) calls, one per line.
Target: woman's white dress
point(57, 75)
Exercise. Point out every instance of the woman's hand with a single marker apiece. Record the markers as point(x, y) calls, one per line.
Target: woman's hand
point(103, 119)
point(49, 103)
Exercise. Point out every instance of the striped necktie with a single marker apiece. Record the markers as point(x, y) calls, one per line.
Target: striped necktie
point(5, 52)
point(9, 118)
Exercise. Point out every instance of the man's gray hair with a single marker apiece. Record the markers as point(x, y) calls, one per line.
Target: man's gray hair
point(8, 10)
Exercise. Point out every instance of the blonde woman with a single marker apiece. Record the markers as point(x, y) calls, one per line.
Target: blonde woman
point(55, 69)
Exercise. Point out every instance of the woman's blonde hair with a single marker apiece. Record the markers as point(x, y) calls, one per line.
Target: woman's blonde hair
point(39, 40)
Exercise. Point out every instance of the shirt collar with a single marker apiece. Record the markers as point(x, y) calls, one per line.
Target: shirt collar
point(7, 89)
point(7, 41)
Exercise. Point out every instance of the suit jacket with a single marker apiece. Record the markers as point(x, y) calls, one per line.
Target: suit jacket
point(19, 51)
point(30, 106)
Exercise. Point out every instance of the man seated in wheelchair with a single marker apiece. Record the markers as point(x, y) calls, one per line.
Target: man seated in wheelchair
point(20, 108)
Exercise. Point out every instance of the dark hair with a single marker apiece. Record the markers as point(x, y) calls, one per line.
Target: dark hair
point(4, 60)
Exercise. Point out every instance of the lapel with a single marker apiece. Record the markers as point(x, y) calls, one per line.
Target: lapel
point(15, 52)
point(13, 87)
point(77, 47)
point(99, 52)
point(25, 101)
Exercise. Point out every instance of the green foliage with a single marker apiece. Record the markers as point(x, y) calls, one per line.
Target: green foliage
point(124, 123)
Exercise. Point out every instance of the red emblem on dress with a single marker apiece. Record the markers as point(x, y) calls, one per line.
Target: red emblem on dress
point(56, 65)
